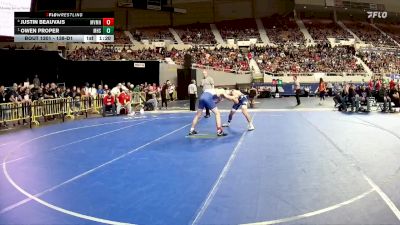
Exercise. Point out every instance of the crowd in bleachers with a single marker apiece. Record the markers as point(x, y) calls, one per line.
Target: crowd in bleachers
point(284, 58)
point(290, 55)
point(282, 30)
point(113, 53)
point(196, 34)
point(223, 59)
point(369, 34)
point(239, 29)
point(392, 29)
point(321, 30)
point(381, 61)
point(121, 38)
point(321, 58)
point(152, 34)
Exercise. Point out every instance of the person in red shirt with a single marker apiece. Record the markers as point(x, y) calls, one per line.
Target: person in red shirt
point(378, 85)
point(371, 85)
point(124, 101)
point(392, 84)
point(109, 104)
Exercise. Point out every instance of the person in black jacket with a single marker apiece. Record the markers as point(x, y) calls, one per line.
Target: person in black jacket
point(384, 96)
point(396, 95)
point(164, 95)
point(352, 97)
point(3, 96)
point(344, 97)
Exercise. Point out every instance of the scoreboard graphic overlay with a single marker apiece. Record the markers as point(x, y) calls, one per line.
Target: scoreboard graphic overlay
point(64, 27)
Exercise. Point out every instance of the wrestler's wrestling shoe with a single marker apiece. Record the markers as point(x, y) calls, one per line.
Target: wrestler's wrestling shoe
point(226, 124)
point(192, 132)
point(221, 133)
point(250, 127)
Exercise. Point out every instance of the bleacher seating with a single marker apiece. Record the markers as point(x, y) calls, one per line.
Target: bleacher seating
point(393, 30)
point(321, 58)
point(196, 34)
point(153, 34)
point(223, 59)
point(121, 38)
point(381, 61)
point(369, 34)
point(320, 30)
point(282, 30)
point(242, 29)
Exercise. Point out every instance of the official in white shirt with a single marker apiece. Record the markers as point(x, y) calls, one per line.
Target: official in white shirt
point(297, 89)
point(192, 90)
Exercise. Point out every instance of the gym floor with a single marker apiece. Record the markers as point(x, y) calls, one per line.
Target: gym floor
point(300, 166)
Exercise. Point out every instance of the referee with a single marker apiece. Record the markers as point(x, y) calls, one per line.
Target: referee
point(207, 83)
point(297, 90)
point(192, 90)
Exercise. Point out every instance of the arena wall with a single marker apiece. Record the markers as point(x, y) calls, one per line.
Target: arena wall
point(264, 8)
point(197, 12)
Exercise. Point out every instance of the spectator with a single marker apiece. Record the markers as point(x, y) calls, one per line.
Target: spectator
point(151, 104)
point(124, 102)
point(395, 95)
point(36, 81)
point(164, 95)
point(13, 95)
point(37, 94)
point(171, 91)
point(116, 90)
point(109, 104)
point(2, 94)
point(68, 93)
point(100, 90)
point(50, 91)
point(92, 91)
point(3, 99)
point(384, 96)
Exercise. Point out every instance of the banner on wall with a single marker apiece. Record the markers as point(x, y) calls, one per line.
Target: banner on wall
point(243, 43)
point(139, 65)
point(159, 44)
point(395, 76)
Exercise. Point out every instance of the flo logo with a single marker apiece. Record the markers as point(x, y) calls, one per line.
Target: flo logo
point(375, 14)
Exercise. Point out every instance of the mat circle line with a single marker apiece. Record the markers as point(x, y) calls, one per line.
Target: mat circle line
point(105, 221)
